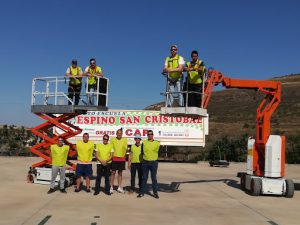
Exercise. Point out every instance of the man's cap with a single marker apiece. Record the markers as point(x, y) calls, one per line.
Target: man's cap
point(174, 46)
point(138, 137)
point(74, 61)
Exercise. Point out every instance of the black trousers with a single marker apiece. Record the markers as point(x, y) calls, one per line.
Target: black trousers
point(103, 171)
point(194, 99)
point(74, 90)
point(136, 167)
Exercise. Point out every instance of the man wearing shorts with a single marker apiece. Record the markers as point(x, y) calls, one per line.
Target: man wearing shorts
point(85, 150)
point(118, 161)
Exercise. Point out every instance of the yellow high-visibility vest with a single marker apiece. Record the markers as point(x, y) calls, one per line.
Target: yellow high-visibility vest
point(85, 151)
point(119, 146)
point(135, 153)
point(172, 64)
point(104, 151)
point(59, 154)
point(195, 77)
point(93, 80)
point(75, 72)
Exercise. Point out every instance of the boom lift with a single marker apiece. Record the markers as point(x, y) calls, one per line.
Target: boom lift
point(266, 153)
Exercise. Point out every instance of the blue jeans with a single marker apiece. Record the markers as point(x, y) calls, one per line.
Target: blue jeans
point(175, 87)
point(91, 96)
point(152, 167)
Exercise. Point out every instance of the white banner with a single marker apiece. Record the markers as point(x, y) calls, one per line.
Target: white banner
point(176, 131)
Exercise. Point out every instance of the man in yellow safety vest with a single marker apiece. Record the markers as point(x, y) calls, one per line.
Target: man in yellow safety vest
point(74, 73)
point(59, 155)
point(85, 151)
point(149, 153)
point(92, 72)
point(195, 72)
point(173, 67)
point(120, 145)
point(104, 152)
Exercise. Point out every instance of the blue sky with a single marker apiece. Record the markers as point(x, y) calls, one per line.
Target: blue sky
point(130, 40)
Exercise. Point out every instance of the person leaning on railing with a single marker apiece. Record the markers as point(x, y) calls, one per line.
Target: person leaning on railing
point(92, 72)
point(74, 73)
point(195, 70)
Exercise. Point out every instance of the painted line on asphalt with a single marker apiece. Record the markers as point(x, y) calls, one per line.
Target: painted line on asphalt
point(44, 221)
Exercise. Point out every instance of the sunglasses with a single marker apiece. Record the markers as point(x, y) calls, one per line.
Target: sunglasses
point(105, 139)
point(174, 49)
point(149, 134)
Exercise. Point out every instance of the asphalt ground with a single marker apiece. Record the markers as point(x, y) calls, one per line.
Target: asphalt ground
point(189, 194)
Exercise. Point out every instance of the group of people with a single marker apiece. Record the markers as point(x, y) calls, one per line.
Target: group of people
point(174, 67)
point(111, 159)
point(75, 75)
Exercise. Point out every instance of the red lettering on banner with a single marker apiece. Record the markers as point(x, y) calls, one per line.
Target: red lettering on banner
point(79, 119)
point(122, 119)
point(93, 119)
point(128, 132)
point(112, 120)
point(185, 120)
point(145, 133)
point(86, 120)
point(136, 119)
point(178, 119)
point(147, 119)
point(137, 132)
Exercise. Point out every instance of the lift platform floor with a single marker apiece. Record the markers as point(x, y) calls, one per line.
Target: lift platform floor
point(61, 109)
point(189, 194)
point(183, 111)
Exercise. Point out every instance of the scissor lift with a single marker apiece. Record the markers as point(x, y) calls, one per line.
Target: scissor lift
point(50, 102)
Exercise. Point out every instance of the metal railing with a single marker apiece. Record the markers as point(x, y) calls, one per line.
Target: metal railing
point(54, 91)
point(185, 92)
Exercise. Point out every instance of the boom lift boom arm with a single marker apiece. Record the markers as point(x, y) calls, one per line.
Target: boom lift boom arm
point(272, 89)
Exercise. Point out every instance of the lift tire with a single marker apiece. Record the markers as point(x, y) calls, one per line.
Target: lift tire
point(290, 188)
point(243, 177)
point(256, 186)
point(30, 178)
point(67, 182)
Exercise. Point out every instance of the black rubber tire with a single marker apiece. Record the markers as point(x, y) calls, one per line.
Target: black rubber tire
point(256, 186)
point(243, 177)
point(290, 188)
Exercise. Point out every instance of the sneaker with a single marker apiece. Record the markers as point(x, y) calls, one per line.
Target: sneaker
point(77, 189)
point(155, 195)
point(88, 190)
point(120, 190)
point(111, 191)
point(51, 190)
point(140, 196)
point(96, 193)
point(63, 191)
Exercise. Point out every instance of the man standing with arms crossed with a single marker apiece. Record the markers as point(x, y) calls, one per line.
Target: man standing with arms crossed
point(85, 150)
point(120, 145)
point(195, 72)
point(59, 155)
point(173, 67)
point(103, 154)
point(150, 163)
